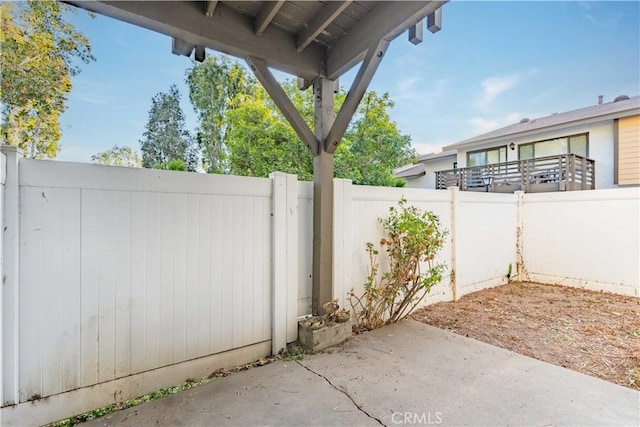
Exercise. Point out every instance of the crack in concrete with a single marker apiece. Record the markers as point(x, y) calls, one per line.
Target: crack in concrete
point(343, 392)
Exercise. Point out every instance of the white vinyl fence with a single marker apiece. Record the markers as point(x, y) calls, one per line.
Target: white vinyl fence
point(588, 239)
point(119, 281)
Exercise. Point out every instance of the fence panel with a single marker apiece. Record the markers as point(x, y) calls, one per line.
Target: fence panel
point(485, 239)
point(120, 277)
point(584, 238)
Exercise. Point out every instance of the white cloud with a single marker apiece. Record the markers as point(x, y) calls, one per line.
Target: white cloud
point(96, 93)
point(494, 86)
point(427, 147)
point(598, 18)
point(542, 95)
point(407, 84)
point(426, 93)
point(482, 125)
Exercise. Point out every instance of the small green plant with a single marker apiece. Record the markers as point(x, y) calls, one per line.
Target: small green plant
point(115, 407)
point(412, 243)
point(509, 272)
point(295, 352)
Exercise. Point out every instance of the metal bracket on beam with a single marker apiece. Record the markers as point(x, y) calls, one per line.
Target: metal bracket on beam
point(181, 47)
point(359, 86)
point(271, 85)
point(415, 33)
point(434, 21)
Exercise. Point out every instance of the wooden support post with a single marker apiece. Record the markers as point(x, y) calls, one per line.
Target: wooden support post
point(323, 90)
point(328, 132)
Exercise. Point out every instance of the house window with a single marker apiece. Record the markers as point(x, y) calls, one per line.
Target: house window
point(574, 144)
point(487, 157)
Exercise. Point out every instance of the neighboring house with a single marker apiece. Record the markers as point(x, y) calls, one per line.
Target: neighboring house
point(423, 173)
point(592, 147)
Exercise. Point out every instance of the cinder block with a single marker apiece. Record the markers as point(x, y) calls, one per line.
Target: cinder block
point(324, 337)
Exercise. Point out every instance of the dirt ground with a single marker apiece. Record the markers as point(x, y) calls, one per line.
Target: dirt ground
point(594, 333)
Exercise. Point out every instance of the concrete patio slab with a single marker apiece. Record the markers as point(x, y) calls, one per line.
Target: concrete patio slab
point(404, 374)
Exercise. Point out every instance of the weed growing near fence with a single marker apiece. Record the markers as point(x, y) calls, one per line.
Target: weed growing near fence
point(412, 243)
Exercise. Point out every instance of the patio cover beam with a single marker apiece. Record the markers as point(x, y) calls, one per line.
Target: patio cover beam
point(283, 102)
point(367, 70)
point(180, 47)
point(321, 21)
point(210, 8)
point(434, 21)
point(266, 15)
point(227, 31)
point(415, 33)
point(386, 21)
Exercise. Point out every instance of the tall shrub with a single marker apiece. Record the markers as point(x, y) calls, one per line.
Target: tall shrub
point(413, 239)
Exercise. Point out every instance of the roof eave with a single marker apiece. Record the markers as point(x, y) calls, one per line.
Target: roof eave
point(571, 123)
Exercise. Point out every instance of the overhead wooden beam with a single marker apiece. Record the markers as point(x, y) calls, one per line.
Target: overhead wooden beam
point(321, 21)
point(434, 21)
point(181, 47)
point(386, 20)
point(228, 31)
point(210, 7)
point(367, 70)
point(200, 54)
point(415, 33)
point(273, 88)
point(266, 15)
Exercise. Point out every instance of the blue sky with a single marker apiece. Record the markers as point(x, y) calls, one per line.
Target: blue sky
point(492, 64)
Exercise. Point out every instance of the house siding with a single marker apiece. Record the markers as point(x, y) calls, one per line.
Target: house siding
point(428, 180)
point(628, 151)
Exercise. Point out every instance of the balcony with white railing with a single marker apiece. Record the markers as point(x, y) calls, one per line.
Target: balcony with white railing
point(566, 172)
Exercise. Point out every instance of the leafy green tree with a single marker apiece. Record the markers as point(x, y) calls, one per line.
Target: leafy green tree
point(165, 138)
point(118, 156)
point(372, 145)
point(212, 85)
point(242, 131)
point(39, 56)
point(173, 165)
point(259, 139)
